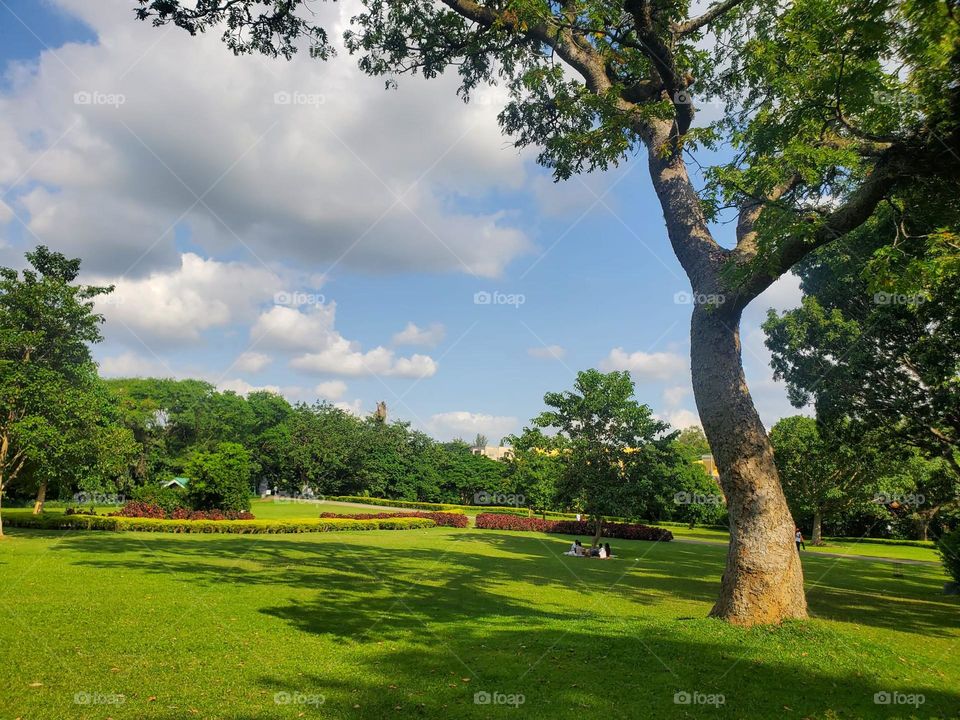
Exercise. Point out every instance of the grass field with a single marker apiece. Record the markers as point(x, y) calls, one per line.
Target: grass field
point(413, 624)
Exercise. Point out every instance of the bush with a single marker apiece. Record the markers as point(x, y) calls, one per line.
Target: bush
point(622, 531)
point(168, 498)
point(146, 510)
point(948, 547)
point(58, 521)
point(444, 519)
point(220, 479)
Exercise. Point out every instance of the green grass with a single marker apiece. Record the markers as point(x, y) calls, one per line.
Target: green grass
point(385, 624)
point(269, 509)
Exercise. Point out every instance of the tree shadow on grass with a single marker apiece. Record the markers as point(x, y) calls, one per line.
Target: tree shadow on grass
point(468, 572)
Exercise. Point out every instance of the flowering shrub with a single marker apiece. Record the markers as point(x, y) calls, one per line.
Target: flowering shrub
point(146, 510)
point(621, 531)
point(79, 511)
point(440, 518)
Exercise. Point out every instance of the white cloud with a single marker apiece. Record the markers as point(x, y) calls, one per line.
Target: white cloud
point(119, 181)
point(647, 366)
point(461, 423)
point(311, 329)
point(547, 352)
point(242, 387)
point(130, 364)
point(682, 418)
point(354, 408)
point(331, 390)
point(252, 361)
point(674, 395)
point(176, 306)
point(414, 335)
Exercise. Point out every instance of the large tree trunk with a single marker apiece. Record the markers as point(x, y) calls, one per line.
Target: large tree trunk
point(763, 579)
point(41, 498)
point(1, 504)
point(816, 537)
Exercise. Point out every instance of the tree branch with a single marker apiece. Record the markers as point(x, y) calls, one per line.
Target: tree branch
point(694, 24)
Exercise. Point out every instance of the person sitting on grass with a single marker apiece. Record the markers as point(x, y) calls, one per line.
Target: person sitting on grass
point(573, 548)
point(602, 552)
point(606, 548)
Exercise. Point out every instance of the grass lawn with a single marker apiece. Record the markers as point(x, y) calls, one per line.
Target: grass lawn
point(414, 623)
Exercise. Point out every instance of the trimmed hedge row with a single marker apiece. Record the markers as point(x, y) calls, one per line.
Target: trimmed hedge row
point(621, 531)
point(438, 507)
point(442, 519)
point(58, 521)
point(882, 541)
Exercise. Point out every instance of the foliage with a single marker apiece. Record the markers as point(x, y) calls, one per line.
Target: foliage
point(221, 479)
point(948, 547)
point(614, 452)
point(167, 498)
point(59, 521)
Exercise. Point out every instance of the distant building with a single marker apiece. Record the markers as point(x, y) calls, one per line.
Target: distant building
point(494, 452)
point(709, 465)
point(177, 482)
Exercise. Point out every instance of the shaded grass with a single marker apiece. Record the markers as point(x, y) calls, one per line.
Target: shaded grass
point(412, 625)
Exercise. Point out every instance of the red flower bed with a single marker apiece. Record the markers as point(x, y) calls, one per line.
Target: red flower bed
point(147, 510)
point(621, 531)
point(442, 519)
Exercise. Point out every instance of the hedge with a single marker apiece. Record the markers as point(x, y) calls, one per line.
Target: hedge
point(439, 507)
point(442, 519)
point(58, 521)
point(622, 531)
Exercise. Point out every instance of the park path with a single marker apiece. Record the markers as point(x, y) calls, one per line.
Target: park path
point(817, 553)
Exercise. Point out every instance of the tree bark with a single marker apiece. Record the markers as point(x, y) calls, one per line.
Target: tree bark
point(763, 579)
point(599, 532)
point(816, 537)
point(2, 488)
point(41, 498)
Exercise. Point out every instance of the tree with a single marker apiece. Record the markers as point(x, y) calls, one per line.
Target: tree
point(616, 449)
point(480, 441)
point(823, 129)
point(220, 480)
point(694, 441)
point(46, 324)
point(822, 473)
point(535, 468)
point(880, 349)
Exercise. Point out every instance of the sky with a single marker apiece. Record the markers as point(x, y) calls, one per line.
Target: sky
point(294, 226)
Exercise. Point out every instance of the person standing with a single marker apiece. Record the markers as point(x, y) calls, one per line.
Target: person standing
point(799, 538)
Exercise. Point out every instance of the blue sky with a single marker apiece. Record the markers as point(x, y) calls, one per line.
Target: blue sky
point(281, 225)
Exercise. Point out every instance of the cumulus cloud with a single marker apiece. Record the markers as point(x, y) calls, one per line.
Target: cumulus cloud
point(178, 305)
point(414, 335)
point(187, 151)
point(130, 364)
point(462, 423)
point(242, 387)
point(682, 418)
point(646, 366)
point(310, 330)
point(331, 390)
point(547, 352)
point(252, 362)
